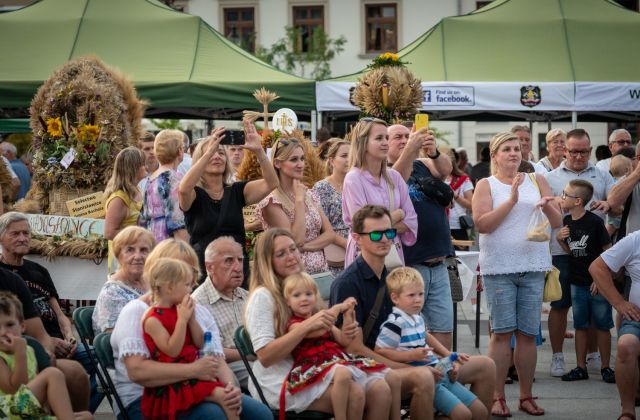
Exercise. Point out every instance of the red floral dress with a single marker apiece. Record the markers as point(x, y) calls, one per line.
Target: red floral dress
point(164, 402)
point(314, 357)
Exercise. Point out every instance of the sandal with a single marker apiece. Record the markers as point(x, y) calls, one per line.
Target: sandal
point(534, 410)
point(630, 416)
point(504, 410)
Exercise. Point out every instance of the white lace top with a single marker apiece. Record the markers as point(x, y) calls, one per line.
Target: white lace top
point(127, 340)
point(506, 249)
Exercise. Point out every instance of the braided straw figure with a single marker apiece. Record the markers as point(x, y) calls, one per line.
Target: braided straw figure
point(388, 91)
point(87, 106)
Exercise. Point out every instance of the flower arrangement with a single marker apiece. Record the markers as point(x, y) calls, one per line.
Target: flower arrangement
point(388, 90)
point(386, 59)
point(81, 117)
point(71, 154)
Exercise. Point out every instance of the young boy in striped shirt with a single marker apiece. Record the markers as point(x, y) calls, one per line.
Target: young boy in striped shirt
point(403, 338)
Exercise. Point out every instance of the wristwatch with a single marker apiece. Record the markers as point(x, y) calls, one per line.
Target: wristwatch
point(436, 156)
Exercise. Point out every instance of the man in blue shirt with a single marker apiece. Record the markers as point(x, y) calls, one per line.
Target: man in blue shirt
point(361, 280)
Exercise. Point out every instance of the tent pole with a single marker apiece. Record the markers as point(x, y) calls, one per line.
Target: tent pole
point(574, 119)
point(314, 124)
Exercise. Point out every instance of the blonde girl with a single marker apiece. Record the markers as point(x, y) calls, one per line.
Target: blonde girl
point(23, 391)
point(173, 335)
point(370, 182)
point(123, 198)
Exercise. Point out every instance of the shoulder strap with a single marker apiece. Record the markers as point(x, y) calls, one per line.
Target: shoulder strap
point(535, 182)
point(373, 315)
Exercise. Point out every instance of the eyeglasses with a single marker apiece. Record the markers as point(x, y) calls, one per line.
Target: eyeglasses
point(621, 142)
point(565, 195)
point(575, 153)
point(376, 235)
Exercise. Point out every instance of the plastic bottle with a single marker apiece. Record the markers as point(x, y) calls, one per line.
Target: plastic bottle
point(445, 364)
point(207, 348)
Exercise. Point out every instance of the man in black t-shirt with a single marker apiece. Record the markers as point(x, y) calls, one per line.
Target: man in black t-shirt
point(584, 237)
point(75, 375)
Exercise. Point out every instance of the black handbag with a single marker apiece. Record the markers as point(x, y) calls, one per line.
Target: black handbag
point(466, 221)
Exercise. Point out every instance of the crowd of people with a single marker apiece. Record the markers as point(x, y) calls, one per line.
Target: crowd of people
point(381, 224)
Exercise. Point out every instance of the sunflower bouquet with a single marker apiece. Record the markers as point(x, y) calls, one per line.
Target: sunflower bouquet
point(387, 59)
point(69, 153)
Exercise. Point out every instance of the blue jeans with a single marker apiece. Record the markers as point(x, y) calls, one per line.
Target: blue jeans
point(515, 301)
point(587, 308)
point(82, 356)
point(251, 409)
point(438, 306)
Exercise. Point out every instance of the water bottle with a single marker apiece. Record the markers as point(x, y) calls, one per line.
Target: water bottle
point(207, 348)
point(445, 364)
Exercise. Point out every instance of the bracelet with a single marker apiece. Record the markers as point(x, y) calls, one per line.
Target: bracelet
point(437, 155)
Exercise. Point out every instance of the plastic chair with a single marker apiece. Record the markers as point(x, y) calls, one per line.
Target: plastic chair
point(104, 352)
point(245, 348)
point(82, 319)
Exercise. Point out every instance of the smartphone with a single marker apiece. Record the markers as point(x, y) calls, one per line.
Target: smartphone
point(422, 121)
point(233, 138)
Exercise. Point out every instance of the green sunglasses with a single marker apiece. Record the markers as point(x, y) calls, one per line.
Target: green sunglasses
point(376, 235)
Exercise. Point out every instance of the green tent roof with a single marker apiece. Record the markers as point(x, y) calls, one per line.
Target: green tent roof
point(176, 60)
point(537, 40)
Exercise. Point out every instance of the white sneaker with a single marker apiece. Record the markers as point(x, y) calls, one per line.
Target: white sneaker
point(594, 363)
point(557, 364)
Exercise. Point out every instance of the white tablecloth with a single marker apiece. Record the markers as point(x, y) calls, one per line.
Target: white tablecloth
point(75, 278)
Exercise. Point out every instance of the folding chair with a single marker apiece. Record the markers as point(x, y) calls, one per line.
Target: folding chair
point(245, 348)
point(82, 319)
point(102, 346)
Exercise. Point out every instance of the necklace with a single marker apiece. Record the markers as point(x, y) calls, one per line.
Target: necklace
point(216, 195)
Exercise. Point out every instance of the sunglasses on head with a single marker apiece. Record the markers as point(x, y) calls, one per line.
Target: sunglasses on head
point(372, 119)
point(285, 142)
point(376, 235)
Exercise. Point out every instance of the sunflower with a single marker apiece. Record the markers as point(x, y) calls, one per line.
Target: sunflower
point(88, 133)
point(54, 127)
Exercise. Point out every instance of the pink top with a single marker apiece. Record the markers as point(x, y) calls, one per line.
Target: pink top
point(360, 188)
point(314, 261)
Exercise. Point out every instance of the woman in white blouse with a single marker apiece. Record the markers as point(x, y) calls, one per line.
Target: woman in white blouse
point(135, 370)
point(513, 267)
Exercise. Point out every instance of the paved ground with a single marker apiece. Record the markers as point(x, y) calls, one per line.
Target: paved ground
point(592, 399)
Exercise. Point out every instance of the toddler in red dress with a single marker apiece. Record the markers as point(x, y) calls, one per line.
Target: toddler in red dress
point(321, 361)
point(173, 335)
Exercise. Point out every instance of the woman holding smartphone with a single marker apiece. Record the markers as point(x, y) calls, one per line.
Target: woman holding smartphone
point(212, 205)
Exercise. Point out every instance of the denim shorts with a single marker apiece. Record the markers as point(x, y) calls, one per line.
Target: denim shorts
point(438, 306)
point(447, 395)
point(587, 308)
point(629, 327)
point(515, 301)
point(561, 262)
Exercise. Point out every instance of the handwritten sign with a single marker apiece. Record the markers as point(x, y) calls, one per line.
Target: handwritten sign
point(80, 227)
point(91, 206)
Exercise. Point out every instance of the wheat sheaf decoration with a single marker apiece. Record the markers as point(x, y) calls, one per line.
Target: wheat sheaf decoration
point(388, 90)
point(81, 117)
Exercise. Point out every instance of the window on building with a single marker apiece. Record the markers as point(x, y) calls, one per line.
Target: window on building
point(239, 26)
point(629, 4)
point(306, 19)
point(480, 4)
point(381, 27)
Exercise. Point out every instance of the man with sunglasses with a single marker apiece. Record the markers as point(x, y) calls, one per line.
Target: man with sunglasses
point(618, 139)
point(433, 243)
point(575, 166)
point(365, 280)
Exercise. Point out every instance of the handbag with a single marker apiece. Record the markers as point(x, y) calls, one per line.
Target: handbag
point(466, 221)
point(392, 260)
point(454, 279)
point(552, 288)
point(334, 254)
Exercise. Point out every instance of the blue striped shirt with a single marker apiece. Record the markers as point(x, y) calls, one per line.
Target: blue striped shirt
point(403, 332)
